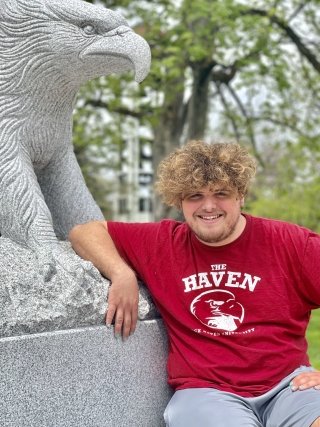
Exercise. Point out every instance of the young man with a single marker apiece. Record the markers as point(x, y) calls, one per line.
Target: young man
point(235, 293)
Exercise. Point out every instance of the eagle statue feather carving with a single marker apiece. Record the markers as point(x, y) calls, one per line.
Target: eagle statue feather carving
point(48, 49)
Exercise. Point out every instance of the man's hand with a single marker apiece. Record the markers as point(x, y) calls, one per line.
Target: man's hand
point(306, 380)
point(92, 242)
point(123, 303)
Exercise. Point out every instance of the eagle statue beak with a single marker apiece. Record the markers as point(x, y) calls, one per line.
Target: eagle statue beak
point(123, 42)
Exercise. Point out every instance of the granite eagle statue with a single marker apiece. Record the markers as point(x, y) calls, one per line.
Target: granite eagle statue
point(48, 49)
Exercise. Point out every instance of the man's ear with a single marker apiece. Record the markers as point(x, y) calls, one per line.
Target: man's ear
point(241, 201)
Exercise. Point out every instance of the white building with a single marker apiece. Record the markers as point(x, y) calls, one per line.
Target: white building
point(132, 199)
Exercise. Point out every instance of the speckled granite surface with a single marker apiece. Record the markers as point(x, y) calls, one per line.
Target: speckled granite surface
point(30, 304)
point(84, 378)
point(60, 366)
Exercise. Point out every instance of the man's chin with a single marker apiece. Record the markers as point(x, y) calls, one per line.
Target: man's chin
point(210, 240)
point(213, 239)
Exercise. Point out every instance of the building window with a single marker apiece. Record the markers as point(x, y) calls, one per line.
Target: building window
point(145, 178)
point(123, 206)
point(145, 204)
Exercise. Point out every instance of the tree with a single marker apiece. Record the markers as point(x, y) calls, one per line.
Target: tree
point(226, 67)
point(292, 192)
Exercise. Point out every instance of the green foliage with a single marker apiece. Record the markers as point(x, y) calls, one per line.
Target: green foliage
point(300, 206)
point(264, 89)
point(313, 337)
point(96, 140)
point(292, 191)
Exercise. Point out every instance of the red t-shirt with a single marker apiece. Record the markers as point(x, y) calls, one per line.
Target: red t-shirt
point(236, 315)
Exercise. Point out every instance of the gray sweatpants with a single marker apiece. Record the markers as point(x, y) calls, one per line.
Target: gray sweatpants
point(279, 407)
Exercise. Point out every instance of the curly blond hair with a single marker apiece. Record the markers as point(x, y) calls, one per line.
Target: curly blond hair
point(198, 164)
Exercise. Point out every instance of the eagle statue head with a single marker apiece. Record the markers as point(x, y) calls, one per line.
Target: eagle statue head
point(65, 42)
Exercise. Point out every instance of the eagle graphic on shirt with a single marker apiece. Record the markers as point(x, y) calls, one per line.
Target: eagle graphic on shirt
point(218, 309)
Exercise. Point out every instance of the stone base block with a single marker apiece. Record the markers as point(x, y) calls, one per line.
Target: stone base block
point(84, 378)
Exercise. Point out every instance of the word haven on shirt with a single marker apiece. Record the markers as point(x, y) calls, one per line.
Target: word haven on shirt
point(218, 277)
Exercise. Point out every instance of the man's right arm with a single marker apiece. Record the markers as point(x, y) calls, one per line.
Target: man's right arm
point(92, 242)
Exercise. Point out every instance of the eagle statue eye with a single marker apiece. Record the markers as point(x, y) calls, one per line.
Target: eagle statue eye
point(89, 29)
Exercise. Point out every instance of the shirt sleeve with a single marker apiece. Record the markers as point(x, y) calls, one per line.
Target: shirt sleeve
point(311, 270)
point(135, 243)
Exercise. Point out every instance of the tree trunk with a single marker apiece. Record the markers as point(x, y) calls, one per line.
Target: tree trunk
point(198, 103)
point(167, 136)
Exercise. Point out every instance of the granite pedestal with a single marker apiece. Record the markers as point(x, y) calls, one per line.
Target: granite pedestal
point(60, 366)
point(84, 378)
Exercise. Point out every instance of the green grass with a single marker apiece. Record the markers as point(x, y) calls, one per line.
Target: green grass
point(313, 336)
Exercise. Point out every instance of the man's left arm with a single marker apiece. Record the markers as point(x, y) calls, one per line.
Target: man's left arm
point(93, 242)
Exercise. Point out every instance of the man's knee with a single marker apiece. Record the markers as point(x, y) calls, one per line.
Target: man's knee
point(316, 423)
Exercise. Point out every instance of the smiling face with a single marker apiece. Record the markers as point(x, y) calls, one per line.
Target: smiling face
point(214, 214)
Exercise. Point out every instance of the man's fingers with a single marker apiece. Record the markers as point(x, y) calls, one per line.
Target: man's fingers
point(123, 309)
point(134, 319)
point(125, 321)
point(306, 377)
point(118, 322)
point(306, 380)
point(126, 325)
point(110, 314)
